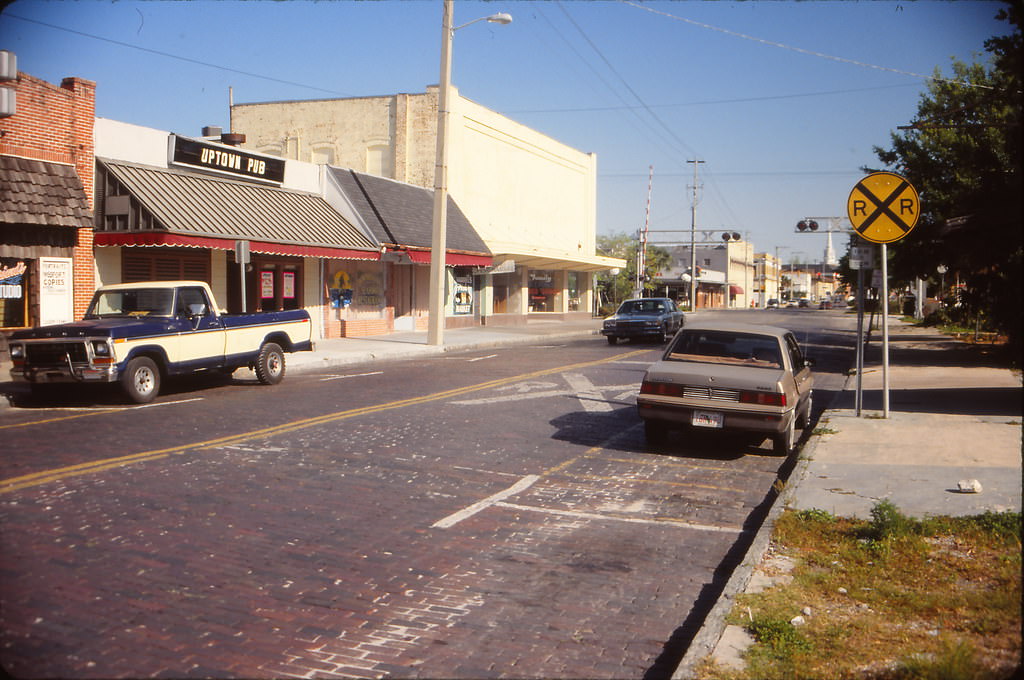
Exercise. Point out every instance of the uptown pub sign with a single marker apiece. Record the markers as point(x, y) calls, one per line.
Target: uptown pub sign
point(225, 160)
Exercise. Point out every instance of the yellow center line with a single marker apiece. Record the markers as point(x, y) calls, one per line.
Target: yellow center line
point(56, 474)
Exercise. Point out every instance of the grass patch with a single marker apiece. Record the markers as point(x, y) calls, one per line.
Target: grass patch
point(892, 597)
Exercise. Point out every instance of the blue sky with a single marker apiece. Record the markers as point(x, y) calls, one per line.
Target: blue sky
point(766, 93)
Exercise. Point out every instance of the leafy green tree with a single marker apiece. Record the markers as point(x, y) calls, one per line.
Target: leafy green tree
point(618, 287)
point(963, 154)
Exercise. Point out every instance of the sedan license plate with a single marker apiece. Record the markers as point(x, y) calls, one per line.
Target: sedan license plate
point(707, 419)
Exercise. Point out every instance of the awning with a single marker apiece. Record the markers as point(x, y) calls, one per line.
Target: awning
point(557, 261)
point(451, 259)
point(41, 194)
point(166, 239)
point(735, 290)
point(167, 202)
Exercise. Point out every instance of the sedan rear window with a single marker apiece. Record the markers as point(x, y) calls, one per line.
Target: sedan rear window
point(726, 347)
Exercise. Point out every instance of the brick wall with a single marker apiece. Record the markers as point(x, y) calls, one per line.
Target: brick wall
point(55, 123)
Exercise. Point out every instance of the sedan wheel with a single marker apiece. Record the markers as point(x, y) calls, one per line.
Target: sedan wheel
point(783, 442)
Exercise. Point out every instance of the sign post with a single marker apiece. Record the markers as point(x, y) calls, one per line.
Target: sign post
point(242, 259)
point(883, 208)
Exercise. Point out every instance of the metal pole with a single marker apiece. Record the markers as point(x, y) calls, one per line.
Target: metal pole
point(860, 339)
point(438, 241)
point(885, 332)
point(693, 240)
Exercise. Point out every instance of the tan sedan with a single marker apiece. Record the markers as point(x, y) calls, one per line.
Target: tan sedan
point(729, 377)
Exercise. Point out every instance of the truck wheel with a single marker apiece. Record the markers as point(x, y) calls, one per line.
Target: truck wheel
point(662, 336)
point(270, 364)
point(612, 339)
point(141, 380)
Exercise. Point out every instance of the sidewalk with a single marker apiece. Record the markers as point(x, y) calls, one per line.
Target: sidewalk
point(954, 414)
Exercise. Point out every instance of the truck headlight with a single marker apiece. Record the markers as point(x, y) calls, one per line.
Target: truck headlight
point(17, 352)
point(100, 348)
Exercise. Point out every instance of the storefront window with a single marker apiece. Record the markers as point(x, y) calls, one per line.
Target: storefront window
point(278, 283)
point(573, 286)
point(545, 291)
point(13, 292)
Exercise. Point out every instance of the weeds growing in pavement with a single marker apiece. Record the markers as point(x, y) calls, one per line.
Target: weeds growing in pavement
point(890, 598)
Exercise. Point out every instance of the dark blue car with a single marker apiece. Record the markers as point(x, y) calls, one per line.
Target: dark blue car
point(656, 318)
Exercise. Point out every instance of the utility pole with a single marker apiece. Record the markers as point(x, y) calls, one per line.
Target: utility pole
point(693, 239)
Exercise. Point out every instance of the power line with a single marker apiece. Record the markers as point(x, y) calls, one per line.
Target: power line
point(801, 50)
point(178, 57)
point(707, 102)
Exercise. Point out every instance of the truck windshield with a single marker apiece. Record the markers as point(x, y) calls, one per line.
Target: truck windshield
point(134, 302)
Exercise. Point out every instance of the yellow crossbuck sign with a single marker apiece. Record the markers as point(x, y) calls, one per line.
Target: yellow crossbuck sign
point(883, 207)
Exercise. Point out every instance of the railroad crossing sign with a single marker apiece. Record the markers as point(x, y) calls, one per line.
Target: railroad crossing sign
point(883, 207)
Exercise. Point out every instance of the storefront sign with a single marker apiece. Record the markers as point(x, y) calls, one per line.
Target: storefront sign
point(462, 295)
point(227, 160)
point(289, 285)
point(266, 284)
point(56, 292)
point(11, 274)
point(369, 290)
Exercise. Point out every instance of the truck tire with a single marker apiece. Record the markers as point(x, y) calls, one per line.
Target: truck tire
point(270, 364)
point(141, 380)
point(612, 339)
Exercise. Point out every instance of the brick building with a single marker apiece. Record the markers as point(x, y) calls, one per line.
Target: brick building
point(46, 184)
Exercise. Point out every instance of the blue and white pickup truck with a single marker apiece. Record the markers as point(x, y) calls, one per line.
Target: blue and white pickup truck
point(139, 333)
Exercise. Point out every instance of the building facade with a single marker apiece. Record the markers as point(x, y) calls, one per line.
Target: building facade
point(531, 198)
point(46, 181)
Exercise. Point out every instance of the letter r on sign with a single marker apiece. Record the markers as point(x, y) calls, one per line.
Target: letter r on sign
point(860, 207)
point(906, 206)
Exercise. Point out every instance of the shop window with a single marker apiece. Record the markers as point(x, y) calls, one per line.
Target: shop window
point(277, 283)
point(165, 265)
point(545, 291)
point(14, 288)
point(573, 286)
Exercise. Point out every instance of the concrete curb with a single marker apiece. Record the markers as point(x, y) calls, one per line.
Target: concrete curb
point(706, 639)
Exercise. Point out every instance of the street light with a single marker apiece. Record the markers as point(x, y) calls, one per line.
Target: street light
point(438, 241)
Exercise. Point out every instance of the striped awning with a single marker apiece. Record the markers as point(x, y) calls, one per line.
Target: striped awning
point(144, 205)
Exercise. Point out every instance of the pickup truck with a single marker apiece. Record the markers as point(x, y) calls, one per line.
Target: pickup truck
point(658, 318)
point(139, 333)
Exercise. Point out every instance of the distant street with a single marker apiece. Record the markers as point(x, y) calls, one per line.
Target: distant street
point(494, 513)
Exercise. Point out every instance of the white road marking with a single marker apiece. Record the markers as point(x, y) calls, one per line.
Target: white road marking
point(351, 375)
point(489, 356)
point(591, 397)
point(456, 517)
point(636, 520)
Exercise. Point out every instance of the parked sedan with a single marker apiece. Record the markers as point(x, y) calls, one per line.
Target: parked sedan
point(735, 377)
point(656, 318)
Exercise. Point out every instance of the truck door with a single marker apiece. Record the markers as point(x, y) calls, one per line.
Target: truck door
point(202, 332)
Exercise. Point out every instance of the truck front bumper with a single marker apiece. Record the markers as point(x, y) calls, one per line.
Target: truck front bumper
point(61, 374)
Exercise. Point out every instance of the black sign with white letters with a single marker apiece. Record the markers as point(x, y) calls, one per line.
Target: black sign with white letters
point(226, 159)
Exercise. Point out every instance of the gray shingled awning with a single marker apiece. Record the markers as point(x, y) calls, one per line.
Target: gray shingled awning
point(42, 193)
point(191, 209)
point(402, 215)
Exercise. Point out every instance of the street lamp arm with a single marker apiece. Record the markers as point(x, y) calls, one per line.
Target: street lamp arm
point(499, 18)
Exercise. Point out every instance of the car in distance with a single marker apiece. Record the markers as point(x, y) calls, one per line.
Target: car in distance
point(656, 318)
point(729, 377)
point(773, 304)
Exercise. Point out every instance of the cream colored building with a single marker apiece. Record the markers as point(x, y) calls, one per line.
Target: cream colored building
point(769, 280)
point(531, 198)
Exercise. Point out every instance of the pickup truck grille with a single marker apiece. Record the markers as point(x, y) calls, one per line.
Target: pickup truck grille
point(717, 394)
point(54, 353)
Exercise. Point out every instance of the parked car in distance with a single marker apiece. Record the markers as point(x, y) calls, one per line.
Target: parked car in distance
point(803, 302)
point(656, 318)
point(729, 377)
point(826, 303)
point(773, 304)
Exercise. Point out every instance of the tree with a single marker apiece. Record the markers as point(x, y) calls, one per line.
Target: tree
point(620, 286)
point(963, 155)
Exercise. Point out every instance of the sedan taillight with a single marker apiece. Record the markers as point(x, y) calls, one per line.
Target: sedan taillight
point(763, 398)
point(661, 388)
